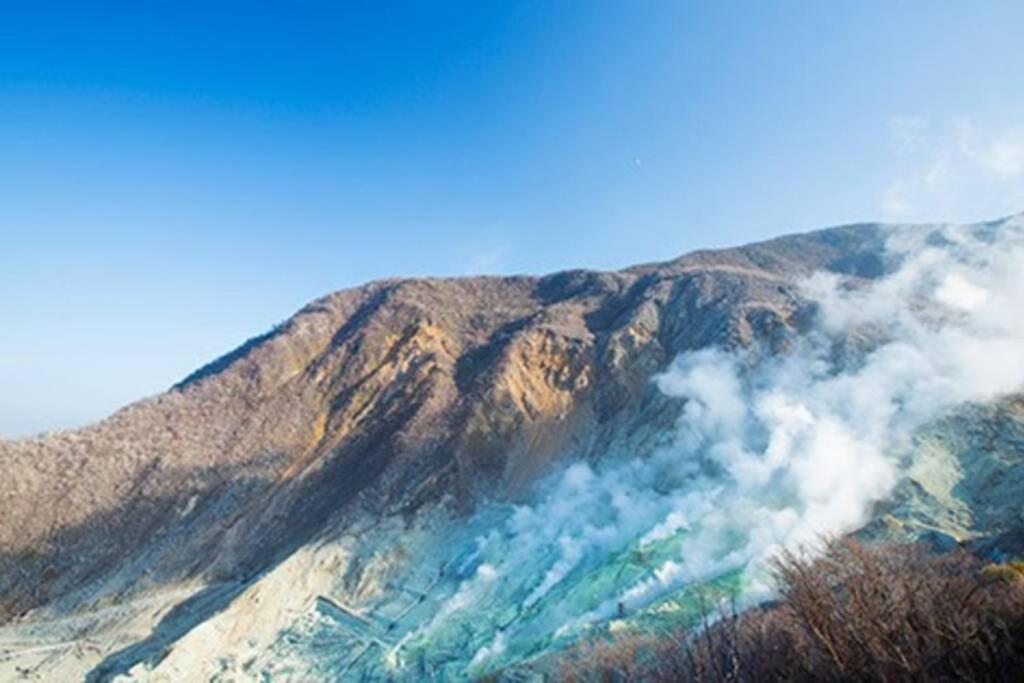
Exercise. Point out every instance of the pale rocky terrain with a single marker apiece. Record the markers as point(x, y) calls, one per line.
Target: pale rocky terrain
point(177, 538)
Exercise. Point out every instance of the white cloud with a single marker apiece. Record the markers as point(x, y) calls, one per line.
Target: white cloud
point(1002, 154)
point(486, 261)
point(957, 170)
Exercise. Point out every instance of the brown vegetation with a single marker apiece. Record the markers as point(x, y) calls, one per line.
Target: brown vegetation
point(855, 613)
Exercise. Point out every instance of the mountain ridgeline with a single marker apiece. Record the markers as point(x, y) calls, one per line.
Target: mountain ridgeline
point(393, 412)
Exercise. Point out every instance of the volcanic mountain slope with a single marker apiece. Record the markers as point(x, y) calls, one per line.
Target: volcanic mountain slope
point(393, 394)
point(194, 521)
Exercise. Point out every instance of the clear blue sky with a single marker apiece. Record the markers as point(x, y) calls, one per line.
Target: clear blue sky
point(177, 177)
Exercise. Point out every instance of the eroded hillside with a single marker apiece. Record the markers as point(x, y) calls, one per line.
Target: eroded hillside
point(358, 449)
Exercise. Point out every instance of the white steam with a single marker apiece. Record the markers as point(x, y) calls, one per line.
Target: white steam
point(773, 452)
point(804, 444)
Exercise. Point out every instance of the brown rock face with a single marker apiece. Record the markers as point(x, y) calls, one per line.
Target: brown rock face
point(387, 398)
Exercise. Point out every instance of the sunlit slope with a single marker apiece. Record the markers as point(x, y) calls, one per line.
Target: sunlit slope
point(448, 477)
point(453, 598)
point(442, 598)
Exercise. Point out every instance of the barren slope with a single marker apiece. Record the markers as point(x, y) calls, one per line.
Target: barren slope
point(392, 395)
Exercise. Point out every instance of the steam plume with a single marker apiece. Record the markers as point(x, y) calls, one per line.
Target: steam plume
point(772, 452)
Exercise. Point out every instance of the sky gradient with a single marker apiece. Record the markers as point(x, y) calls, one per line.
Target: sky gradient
point(174, 181)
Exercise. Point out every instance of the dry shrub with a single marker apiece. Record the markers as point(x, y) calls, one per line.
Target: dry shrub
point(854, 613)
point(610, 661)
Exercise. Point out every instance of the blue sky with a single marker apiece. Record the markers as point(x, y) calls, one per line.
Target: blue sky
point(174, 180)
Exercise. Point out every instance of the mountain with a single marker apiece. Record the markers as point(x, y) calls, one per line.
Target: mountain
point(341, 497)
